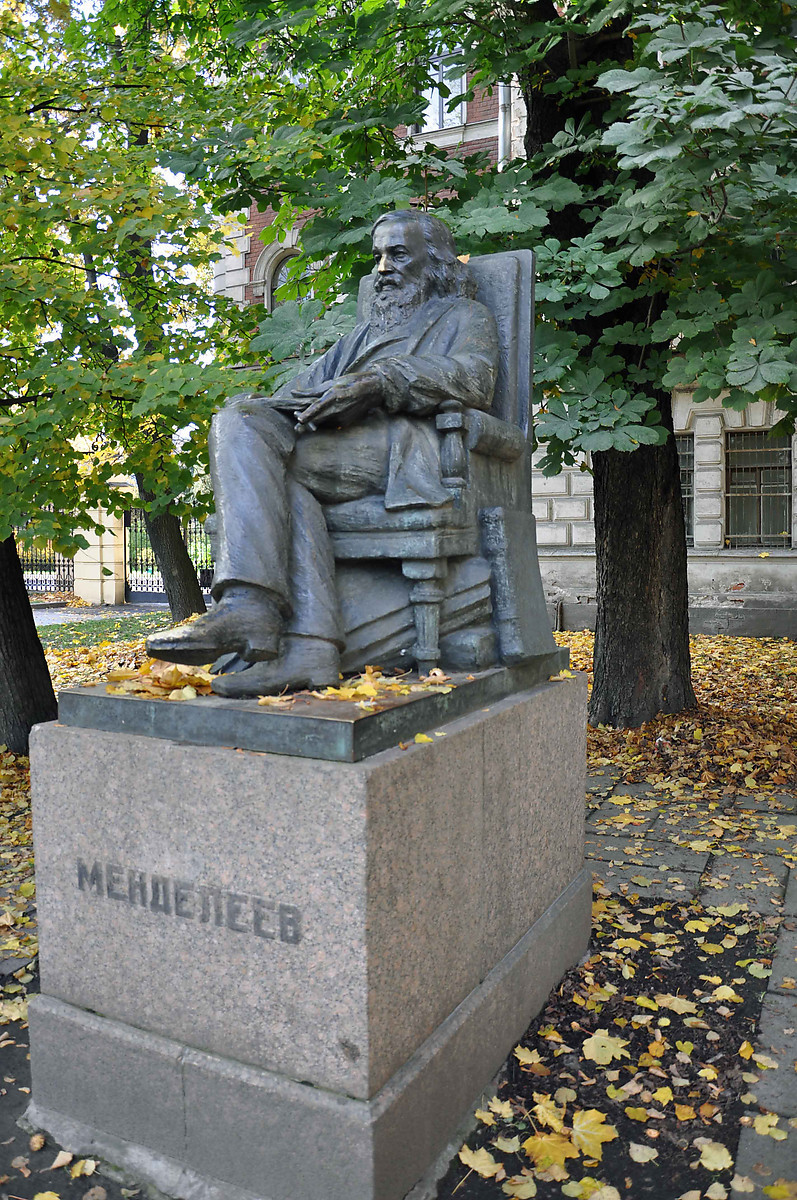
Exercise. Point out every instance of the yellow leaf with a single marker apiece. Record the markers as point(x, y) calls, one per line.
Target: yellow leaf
point(642, 1154)
point(676, 1003)
point(520, 1187)
point(765, 1124)
point(781, 1189)
point(636, 1114)
point(742, 1183)
point(745, 1050)
point(549, 1149)
point(715, 1157)
point(590, 1132)
point(725, 993)
point(685, 1047)
point(422, 737)
point(730, 910)
point(663, 1095)
point(480, 1161)
point(47, 1196)
point(501, 1108)
point(508, 1145)
point(601, 1048)
point(86, 1166)
point(684, 1112)
point(547, 1113)
point(486, 1118)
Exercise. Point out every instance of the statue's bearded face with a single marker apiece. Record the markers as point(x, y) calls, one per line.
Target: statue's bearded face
point(403, 279)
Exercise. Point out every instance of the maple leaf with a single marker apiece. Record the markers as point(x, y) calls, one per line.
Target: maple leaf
point(486, 1118)
point(480, 1161)
point(501, 1108)
point(590, 1132)
point(602, 1048)
point(549, 1149)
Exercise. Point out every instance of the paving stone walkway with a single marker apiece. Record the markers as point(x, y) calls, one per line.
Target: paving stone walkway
point(717, 853)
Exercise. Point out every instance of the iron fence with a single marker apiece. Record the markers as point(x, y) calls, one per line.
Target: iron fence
point(46, 571)
point(143, 575)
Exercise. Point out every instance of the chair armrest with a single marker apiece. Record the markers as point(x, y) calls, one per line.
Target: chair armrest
point(497, 439)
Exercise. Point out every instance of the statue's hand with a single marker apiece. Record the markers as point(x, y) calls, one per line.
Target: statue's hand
point(344, 401)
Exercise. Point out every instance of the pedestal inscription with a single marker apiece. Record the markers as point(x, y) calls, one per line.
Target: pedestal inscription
point(192, 901)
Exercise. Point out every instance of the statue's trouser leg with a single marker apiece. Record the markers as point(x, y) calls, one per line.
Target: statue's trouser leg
point(332, 467)
point(249, 445)
point(271, 528)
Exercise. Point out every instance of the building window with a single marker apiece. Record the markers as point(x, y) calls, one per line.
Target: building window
point(277, 279)
point(685, 444)
point(758, 490)
point(437, 114)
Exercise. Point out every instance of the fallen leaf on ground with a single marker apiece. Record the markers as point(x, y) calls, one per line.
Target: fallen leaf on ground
point(715, 1157)
point(480, 1161)
point(590, 1132)
point(602, 1048)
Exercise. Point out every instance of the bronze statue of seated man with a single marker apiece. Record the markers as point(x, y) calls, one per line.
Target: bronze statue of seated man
point(354, 424)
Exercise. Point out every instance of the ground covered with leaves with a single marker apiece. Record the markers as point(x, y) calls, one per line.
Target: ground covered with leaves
point(742, 737)
point(639, 1074)
point(634, 1079)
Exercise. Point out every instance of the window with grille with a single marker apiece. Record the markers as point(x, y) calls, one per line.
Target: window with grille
point(758, 471)
point(685, 444)
point(437, 114)
point(278, 278)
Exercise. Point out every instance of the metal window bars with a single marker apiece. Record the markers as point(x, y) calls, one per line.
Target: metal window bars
point(758, 489)
point(685, 444)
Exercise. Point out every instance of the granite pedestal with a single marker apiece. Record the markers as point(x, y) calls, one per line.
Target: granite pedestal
point(274, 977)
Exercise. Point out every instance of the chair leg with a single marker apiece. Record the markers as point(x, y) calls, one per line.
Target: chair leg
point(426, 595)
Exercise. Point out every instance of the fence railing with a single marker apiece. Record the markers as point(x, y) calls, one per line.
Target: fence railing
point(143, 575)
point(46, 571)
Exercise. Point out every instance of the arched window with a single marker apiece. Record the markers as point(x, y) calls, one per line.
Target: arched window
point(270, 271)
point(278, 279)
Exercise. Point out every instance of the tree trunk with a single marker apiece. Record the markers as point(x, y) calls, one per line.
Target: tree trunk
point(180, 580)
point(26, 692)
point(641, 659)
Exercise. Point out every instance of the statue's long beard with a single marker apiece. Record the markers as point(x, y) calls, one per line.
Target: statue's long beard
point(393, 306)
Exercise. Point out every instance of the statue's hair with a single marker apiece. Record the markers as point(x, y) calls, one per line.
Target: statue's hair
point(449, 276)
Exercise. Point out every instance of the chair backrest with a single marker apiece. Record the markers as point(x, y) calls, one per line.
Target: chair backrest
point(505, 284)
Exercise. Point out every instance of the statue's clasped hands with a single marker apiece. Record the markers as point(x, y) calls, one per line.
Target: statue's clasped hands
point(340, 402)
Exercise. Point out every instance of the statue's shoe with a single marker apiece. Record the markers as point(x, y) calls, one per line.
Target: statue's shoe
point(304, 663)
point(249, 630)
